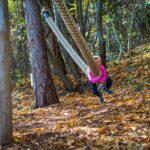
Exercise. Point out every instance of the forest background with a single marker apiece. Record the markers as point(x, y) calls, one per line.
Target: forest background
point(118, 31)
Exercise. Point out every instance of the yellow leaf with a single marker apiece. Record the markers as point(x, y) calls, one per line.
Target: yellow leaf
point(60, 144)
point(103, 137)
point(38, 129)
point(102, 129)
point(18, 138)
point(57, 126)
point(70, 141)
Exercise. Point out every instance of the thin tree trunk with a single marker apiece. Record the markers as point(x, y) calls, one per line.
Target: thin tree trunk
point(129, 32)
point(68, 84)
point(43, 85)
point(108, 44)
point(17, 9)
point(53, 43)
point(117, 41)
point(100, 32)
point(13, 60)
point(117, 22)
point(85, 19)
point(26, 59)
point(5, 93)
point(80, 17)
point(22, 10)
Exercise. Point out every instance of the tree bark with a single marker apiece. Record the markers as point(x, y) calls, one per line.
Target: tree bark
point(43, 85)
point(22, 10)
point(80, 17)
point(68, 84)
point(100, 32)
point(5, 94)
point(54, 46)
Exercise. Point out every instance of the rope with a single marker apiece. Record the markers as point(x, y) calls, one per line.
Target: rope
point(77, 36)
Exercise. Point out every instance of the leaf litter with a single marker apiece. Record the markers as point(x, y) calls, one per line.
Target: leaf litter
point(79, 122)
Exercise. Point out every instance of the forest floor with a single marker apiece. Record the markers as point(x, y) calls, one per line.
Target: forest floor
point(79, 122)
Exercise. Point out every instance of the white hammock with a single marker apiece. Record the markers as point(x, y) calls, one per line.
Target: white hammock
point(67, 46)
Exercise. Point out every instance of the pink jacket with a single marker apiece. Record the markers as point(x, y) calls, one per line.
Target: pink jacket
point(99, 79)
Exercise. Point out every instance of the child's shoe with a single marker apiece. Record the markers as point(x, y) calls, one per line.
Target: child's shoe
point(107, 90)
point(101, 100)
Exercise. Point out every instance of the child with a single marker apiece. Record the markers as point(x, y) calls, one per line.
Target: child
point(99, 79)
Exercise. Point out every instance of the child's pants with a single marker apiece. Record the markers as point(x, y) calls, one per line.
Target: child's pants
point(109, 82)
point(94, 86)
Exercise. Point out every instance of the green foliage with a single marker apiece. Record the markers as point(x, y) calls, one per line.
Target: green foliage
point(148, 2)
point(139, 86)
point(11, 6)
point(19, 80)
point(18, 39)
point(16, 76)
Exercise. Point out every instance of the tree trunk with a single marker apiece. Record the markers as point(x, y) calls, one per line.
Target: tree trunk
point(121, 29)
point(13, 60)
point(100, 32)
point(54, 46)
point(5, 94)
point(43, 85)
point(22, 10)
point(108, 44)
point(68, 84)
point(80, 17)
point(117, 40)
